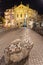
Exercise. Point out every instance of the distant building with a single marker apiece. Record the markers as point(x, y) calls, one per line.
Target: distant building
point(19, 16)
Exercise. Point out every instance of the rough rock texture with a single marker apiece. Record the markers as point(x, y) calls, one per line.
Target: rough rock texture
point(17, 51)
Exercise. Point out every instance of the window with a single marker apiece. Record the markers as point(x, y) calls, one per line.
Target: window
point(17, 23)
point(8, 21)
point(22, 7)
point(17, 15)
point(21, 15)
point(20, 22)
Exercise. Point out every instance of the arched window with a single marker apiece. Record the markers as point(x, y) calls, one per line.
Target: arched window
point(21, 15)
point(17, 15)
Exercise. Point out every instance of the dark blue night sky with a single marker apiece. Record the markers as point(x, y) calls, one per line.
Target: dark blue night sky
point(35, 4)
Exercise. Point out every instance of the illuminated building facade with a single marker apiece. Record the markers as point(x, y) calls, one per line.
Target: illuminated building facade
point(19, 16)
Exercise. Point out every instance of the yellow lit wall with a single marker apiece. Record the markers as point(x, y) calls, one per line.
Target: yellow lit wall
point(20, 14)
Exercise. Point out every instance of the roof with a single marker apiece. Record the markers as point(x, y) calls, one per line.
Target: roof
point(21, 6)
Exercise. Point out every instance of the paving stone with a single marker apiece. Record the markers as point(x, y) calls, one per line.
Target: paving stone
point(36, 54)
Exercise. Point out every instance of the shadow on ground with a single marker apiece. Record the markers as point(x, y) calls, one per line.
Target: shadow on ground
point(22, 62)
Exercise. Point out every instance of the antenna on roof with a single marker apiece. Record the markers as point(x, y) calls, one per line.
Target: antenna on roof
point(21, 2)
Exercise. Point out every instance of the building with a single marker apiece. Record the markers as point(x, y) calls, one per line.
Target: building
point(19, 16)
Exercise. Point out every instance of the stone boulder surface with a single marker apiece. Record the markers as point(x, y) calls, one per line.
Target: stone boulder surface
point(17, 51)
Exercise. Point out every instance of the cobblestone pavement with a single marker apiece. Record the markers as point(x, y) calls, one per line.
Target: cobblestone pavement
point(36, 54)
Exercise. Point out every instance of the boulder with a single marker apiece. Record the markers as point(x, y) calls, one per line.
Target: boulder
point(17, 51)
